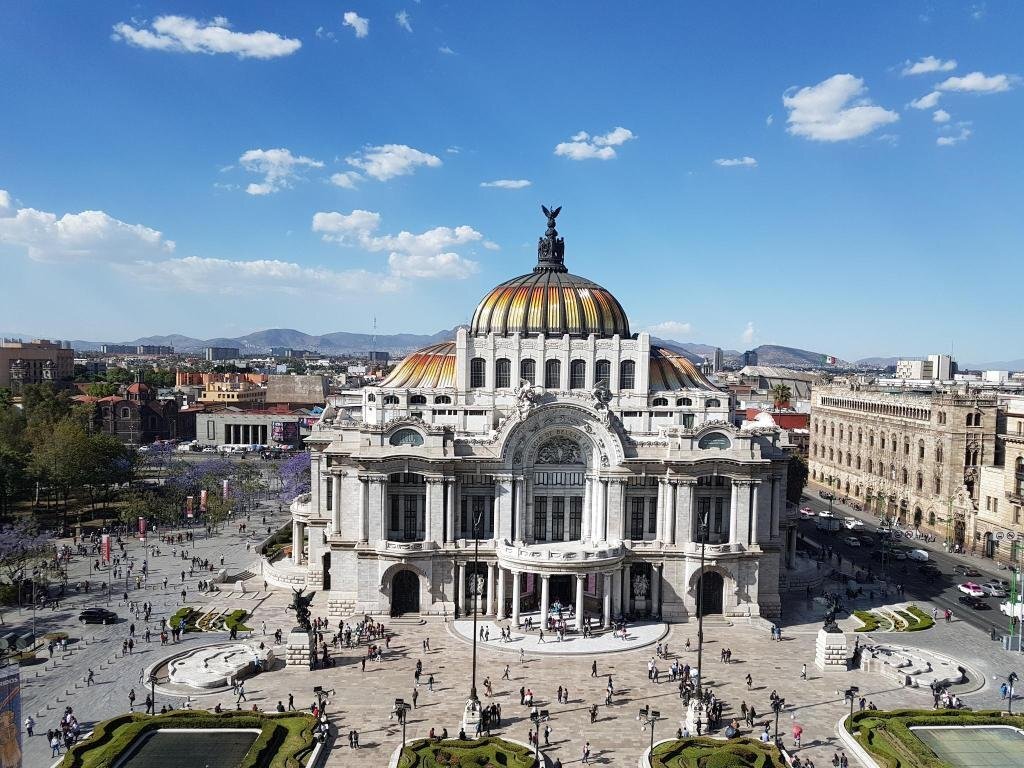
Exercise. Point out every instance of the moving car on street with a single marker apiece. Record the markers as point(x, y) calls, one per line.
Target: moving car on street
point(974, 602)
point(852, 541)
point(808, 512)
point(965, 570)
point(993, 590)
point(97, 616)
point(918, 554)
point(970, 588)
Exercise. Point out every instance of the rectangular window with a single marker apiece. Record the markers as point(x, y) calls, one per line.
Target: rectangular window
point(688, 420)
point(636, 519)
point(329, 488)
point(558, 518)
point(395, 523)
point(540, 518)
point(552, 374)
point(575, 517)
point(717, 526)
point(409, 529)
point(211, 430)
point(478, 513)
point(464, 518)
point(652, 514)
point(1016, 515)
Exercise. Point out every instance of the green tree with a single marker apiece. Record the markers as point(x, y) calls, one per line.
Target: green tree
point(60, 457)
point(781, 395)
point(796, 478)
point(102, 389)
point(13, 478)
point(118, 375)
point(43, 403)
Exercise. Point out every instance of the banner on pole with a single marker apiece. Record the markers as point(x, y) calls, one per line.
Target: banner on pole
point(105, 547)
point(142, 529)
point(224, 487)
point(202, 500)
point(188, 506)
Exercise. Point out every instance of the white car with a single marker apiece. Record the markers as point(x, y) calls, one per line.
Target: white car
point(808, 512)
point(825, 513)
point(972, 589)
point(852, 541)
point(918, 554)
point(853, 523)
point(993, 590)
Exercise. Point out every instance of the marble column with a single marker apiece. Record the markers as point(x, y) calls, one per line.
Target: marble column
point(656, 589)
point(606, 607)
point(364, 520)
point(463, 592)
point(778, 504)
point(516, 596)
point(627, 588)
point(544, 600)
point(503, 509)
point(734, 512)
point(601, 518)
point(453, 511)
point(580, 578)
point(684, 510)
point(428, 529)
point(754, 498)
point(587, 523)
point(520, 490)
point(673, 500)
point(664, 499)
point(296, 543)
point(617, 591)
point(500, 612)
point(489, 608)
point(336, 504)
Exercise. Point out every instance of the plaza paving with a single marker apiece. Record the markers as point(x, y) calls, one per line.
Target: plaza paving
point(362, 700)
point(638, 635)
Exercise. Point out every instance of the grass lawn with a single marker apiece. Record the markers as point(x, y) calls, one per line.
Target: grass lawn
point(703, 752)
point(480, 753)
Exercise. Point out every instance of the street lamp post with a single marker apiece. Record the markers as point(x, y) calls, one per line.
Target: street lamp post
point(401, 708)
point(851, 696)
point(702, 531)
point(777, 706)
point(152, 690)
point(471, 714)
point(537, 718)
point(648, 717)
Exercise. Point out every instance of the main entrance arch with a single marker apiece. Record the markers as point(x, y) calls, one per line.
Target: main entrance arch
point(405, 593)
point(710, 590)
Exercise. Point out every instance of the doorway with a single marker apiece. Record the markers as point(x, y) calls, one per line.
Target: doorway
point(405, 593)
point(325, 562)
point(710, 587)
point(561, 589)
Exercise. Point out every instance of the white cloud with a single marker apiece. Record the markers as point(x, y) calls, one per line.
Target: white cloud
point(583, 146)
point(427, 254)
point(769, 120)
point(747, 337)
point(732, 162)
point(325, 34)
point(359, 25)
point(402, 17)
point(928, 101)
point(453, 150)
point(926, 65)
point(507, 183)
point(390, 160)
point(977, 82)
point(978, 11)
point(346, 179)
point(225, 276)
point(951, 140)
point(279, 168)
point(940, 116)
point(835, 109)
point(671, 329)
point(87, 236)
point(182, 34)
point(446, 51)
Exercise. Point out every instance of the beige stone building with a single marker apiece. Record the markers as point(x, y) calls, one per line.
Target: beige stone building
point(916, 455)
point(242, 394)
point(34, 362)
point(999, 526)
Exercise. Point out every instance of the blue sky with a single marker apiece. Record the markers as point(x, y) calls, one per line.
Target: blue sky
point(793, 173)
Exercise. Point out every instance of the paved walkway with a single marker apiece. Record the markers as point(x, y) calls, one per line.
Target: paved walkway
point(638, 635)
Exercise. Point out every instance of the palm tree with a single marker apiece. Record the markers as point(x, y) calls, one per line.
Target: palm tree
point(781, 394)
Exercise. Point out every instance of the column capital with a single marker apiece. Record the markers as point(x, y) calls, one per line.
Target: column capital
point(377, 479)
point(544, 576)
point(684, 481)
point(581, 576)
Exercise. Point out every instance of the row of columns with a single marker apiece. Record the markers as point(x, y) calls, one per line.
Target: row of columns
point(616, 593)
point(245, 434)
point(298, 542)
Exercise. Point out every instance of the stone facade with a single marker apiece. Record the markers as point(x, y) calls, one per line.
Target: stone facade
point(999, 526)
point(581, 464)
point(915, 456)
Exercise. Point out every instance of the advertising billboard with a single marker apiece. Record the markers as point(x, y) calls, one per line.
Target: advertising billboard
point(188, 506)
point(202, 500)
point(10, 718)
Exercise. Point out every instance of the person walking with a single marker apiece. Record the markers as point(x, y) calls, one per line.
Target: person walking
point(241, 693)
point(131, 699)
point(586, 754)
point(750, 681)
point(415, 696)
point(803, 672)
point(30, 725)
point(593, 668)
point(291, 702)
point(507, 674)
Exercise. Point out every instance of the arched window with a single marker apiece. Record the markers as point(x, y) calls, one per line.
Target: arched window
point(919, 483)
point(860, 436)
point(477, 373)
point(906, 446)
point(659, 401)
point(371, 398)
point(840, 432)
point(442, 400)
point(684, 401)
point(848, 458)
point(920, 449)
point(553, 374)
point(931, 519)
point(390, 400)
point(970, 419)
point(832, 429)
point(502, 373)
point(903, 477)
point(126, 413)
point(881, 438)
point(871, 467)
point(528, 371)
point(938, 485)
point(406, 437)
point(577, 374)
point(892, 472)
point(894, 443)
point(831, 454)
point(603, 372)
point(938, 453)
point(627, 374)
point(713, 402)
point(858, 462)
point(417, 400)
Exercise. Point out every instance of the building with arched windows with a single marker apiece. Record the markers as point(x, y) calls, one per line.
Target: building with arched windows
point(580, 455)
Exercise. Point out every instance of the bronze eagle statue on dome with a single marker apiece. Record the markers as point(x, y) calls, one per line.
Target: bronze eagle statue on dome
point(552, 214)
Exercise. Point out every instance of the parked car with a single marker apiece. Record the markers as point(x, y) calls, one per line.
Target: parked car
point(970, 588)
point(1001, 583)
point(918, 554)
point(97, 616)
point(928, 569)
point(808, 512)
point(853, 523)
point(867, 541)
point(210, 449)
point(964, 570)
point(993, 590)
point(826, 513)
point(897, 553)
point(826, 495)
point(975, 603)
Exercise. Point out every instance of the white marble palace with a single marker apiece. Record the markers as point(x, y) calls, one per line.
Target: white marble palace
point(579, 455)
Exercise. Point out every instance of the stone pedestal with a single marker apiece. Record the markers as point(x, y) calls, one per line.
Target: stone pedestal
point(299, 650)
point(692, 714)
point(470, 718)
point(830, 651)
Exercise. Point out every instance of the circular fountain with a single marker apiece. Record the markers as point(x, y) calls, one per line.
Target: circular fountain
point(216, 666)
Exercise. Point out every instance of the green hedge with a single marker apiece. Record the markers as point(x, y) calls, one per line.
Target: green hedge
point(234, 621)
point(890, 740)
point(868, 619)
point(922, 620)
point(190, 615)
point(705, 752)
point(284, 741)
point(490, 752)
